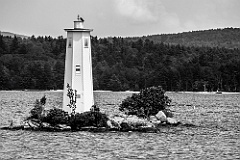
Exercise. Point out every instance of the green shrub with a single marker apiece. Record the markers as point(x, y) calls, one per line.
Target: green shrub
point(56, 116)
point(36, 112)
point(85, 119)
point(148, 102)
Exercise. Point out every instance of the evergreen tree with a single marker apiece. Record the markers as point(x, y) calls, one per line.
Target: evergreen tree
point(4, 77)
point(14, 47)
point(22, 49)
point(3, 48)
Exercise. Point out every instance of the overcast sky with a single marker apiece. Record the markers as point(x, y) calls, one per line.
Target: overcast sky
point(117, 17)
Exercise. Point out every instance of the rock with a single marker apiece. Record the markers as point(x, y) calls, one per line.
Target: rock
point(117, 119)
point(33, 123)
point(153, 118)
point(127, 123)
point(161, 116)
point(109, 124)
point(150, 125)
point(45, 125)
point(114, 122)
point(64, 127)
point(154, 121)
point(135, 121)
point(172, 121)
point(113, 125)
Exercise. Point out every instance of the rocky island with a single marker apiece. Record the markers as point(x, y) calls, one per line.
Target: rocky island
point(146, 111)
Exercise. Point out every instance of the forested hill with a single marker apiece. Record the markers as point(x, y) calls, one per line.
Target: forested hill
point(227, 37)
point(124, 63)
point(9, 34)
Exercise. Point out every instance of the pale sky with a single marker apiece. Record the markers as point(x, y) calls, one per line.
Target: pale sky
point(117, 17)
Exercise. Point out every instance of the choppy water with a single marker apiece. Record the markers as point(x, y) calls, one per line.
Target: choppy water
point(216, 135)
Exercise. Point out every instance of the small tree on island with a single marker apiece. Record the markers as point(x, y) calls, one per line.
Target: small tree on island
point(72, 94)
point(148, 102)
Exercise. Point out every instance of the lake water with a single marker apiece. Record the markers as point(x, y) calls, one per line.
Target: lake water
point(216, 134)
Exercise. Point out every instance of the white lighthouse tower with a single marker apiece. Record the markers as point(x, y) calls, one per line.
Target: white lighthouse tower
point(78, 67)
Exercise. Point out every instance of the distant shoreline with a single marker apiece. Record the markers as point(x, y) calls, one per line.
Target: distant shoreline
point(201, 92)
point(181, 92)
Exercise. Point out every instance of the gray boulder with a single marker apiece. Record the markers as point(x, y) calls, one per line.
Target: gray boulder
point(113, 124)
point(172, 121)
point(154, 120)
point(161, 116)
point(134, 122)
point(115, 121)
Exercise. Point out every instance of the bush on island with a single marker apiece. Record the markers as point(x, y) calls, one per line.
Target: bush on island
point(56, 116)
point(37, 110)
point(86, 119)
point(148, 102)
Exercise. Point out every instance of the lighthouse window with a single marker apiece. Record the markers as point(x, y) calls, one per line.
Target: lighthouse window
point(78, 69)
point(70, 43)
point(86, 43)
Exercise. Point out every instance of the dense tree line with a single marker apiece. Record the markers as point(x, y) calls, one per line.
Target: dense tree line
point(121, 64)
point(33, 63)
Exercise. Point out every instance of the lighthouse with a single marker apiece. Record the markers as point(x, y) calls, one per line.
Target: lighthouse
point(78, 68)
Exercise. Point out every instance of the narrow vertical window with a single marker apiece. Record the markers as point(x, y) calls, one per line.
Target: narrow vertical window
point(86, 42)
point(70, 43)
point(78, 69)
